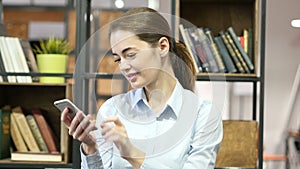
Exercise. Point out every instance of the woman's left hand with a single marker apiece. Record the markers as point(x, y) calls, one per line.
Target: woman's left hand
point(113, 130)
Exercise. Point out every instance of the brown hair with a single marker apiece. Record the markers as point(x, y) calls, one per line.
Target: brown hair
point(150, 26)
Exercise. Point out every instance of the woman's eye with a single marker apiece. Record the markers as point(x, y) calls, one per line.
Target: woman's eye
point(130, 55)
point(117, 60)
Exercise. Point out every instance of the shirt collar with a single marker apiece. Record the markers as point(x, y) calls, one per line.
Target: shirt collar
point(174, 102)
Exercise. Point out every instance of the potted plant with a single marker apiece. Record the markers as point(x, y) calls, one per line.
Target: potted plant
point(52, 57)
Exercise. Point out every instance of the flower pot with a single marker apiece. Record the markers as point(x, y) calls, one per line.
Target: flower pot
point(52, 63)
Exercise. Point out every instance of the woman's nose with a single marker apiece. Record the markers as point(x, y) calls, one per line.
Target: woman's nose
point(124, 66)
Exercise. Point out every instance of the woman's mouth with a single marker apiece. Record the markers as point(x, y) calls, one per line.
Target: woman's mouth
point(131, 76)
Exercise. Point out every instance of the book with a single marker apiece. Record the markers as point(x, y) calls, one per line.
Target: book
point(246, 58)
point(237, 52)
point(36, 133)
point(45, 129)
point(205, 43)
point(4, 132)
point(22, 59)
point(24, 129)
point(245, 35)
point(242, 42)
point(7, 62)
point(192, 34)
point(189, 46)
point(18, 54)
point(30, 58)
point(16, 135)
point(40, 157)
point(231, 52)
point(250, 44)
point(225, 55)
point(14, 58)
point(215, 50)
point(2, 69)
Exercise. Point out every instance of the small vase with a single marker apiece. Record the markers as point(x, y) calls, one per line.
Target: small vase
point(52, 63)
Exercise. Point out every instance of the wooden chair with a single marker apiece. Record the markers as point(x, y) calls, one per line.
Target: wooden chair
point(239, 147)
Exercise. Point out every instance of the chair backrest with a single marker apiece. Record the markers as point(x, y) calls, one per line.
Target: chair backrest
point(239, 147)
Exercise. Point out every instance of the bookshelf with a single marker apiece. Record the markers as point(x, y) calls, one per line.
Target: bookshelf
point(33, 95)
point(236, 13)
point(218, 15)
point(36, 95)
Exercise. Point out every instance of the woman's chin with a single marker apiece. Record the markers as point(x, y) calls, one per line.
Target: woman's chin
point(136, 85)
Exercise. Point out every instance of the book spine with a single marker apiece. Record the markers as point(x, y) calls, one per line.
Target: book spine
point(2, 68)
point(232, 53)
point(36, 133)
point(245, 34)
point(240, 48)
point(4, 133)
point(6, 59)
point(225, 55)
point(13, 56)
point(206, 48)
point(237, 52)
point(198, 51)
point(16, 135)
point(30, 59)
point(25, 130)
point(250, 44)
point(188, 46)
point(193, 49)
point(215, 51)
point(22, 59)
point(46, 131)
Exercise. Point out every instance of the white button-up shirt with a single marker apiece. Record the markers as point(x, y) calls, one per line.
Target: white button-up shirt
point(185, 135)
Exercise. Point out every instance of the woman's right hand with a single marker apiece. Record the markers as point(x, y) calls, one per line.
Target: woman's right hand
point(80, 128)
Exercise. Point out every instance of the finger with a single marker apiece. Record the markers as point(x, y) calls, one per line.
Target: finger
point(105, 129)
point(82, 127)
point(75, 122)
point(87, 137)
point(64, 117)
point(115, 120)
point(110, 135)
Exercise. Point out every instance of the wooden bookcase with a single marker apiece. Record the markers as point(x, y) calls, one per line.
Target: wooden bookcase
point(218, 15)
point(36, 95)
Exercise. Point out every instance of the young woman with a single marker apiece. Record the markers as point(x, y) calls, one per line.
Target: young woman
point(160, 123)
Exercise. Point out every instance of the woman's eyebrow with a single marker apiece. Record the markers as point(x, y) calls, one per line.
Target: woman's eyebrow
point(123, 51)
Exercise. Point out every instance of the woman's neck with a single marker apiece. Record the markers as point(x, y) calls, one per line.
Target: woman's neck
point(159, 92)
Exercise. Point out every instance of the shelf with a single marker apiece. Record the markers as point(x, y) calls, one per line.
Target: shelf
point(200, 76)
point(30, 96)
point(6, 163)
point(227, 77)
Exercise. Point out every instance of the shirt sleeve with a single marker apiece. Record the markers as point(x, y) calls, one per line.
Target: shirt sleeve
point(206, 138)
point(92, 161)
point(102, 158)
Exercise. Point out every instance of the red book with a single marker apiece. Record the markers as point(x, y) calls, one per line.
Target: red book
point(46, 131)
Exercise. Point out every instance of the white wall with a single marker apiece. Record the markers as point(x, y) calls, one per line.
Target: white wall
point(282, 59)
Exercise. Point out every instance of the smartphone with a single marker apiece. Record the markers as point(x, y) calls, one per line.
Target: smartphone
point(62, 104)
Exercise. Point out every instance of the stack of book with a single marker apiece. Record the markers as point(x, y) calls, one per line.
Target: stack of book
point(225, 53)
point(33, 138)
point(16, 56)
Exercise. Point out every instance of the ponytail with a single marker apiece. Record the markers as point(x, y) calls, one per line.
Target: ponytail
point(183, 67)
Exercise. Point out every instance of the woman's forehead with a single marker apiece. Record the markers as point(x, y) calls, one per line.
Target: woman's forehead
point(120, 36)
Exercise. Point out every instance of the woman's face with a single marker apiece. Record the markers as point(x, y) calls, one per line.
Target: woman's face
point(138, 61)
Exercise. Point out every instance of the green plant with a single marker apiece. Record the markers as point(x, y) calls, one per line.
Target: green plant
point(52, 46)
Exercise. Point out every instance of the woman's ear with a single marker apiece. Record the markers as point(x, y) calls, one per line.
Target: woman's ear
point(164, 46)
